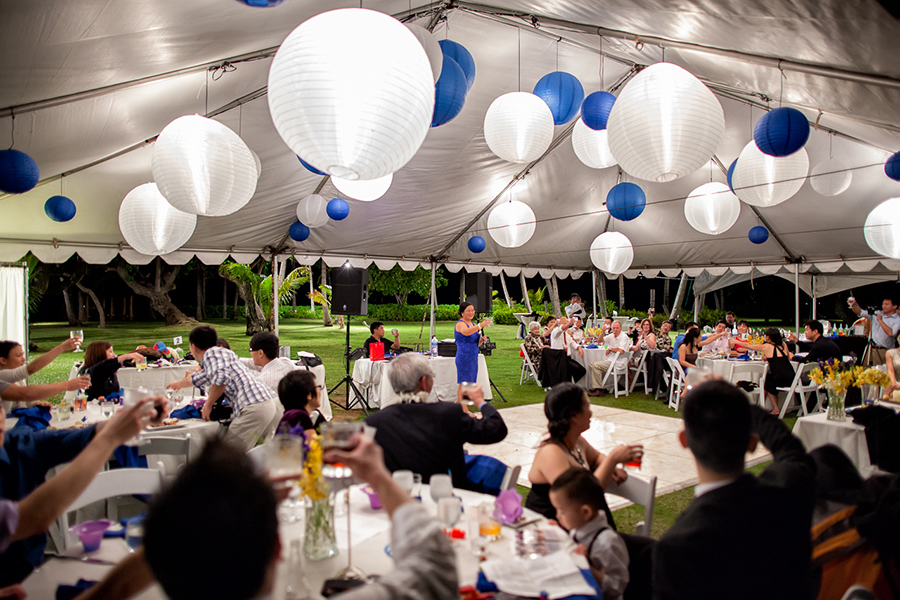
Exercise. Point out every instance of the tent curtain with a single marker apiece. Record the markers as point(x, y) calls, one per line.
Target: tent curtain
point(14, 303)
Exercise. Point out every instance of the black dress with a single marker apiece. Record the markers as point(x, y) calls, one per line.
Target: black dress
point(781, 373)
point(103, 378)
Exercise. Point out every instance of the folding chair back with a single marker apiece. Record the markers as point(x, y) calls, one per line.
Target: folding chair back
point(676, 384)
point(527, 364)
point(641, 370)
point(640, 491)
point(168, 446)
point(797, 387)
point(755, 372)
point(509, 480)
point(616, 369)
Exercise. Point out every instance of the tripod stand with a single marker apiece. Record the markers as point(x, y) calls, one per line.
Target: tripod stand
point(348, 379)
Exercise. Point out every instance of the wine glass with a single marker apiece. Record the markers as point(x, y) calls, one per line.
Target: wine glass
point(78, 335)
point(467, 386)
point(441, 487)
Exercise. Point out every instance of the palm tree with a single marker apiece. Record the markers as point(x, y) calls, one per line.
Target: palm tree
point(256, 291)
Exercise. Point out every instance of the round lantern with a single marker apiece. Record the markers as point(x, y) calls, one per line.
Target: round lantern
point(258, 164)
point(366, 191)
point(298, 232)
point(592, 147)
point(449, 93)
point(665, 124)
point(830, 177)
point(59, 208)
point(511, 224)
point(431, 47)
point(477, 244)
point(518, 127)
point(311, 168)
point(18, 172)
point(151, 225)
point(612, 252)
point(882, 229)
point(202, 167)
point(758, 234)
point(312, 211)
point(563, 93)
point(626, 201)
point(763, 180)
point(712, 208)
point(352, 92)
point(462, 57)
point(338, 209)
point(891, 167)
point(781, 131)
point(730, 174)
point(595, 109)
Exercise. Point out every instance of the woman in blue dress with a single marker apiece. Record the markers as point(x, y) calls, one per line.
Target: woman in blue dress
point(468, 339)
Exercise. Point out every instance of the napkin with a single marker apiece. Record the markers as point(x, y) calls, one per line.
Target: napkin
point(33, 417)
point(485, 585)
point(188, 412)
point(592, 346)
point(67, 592)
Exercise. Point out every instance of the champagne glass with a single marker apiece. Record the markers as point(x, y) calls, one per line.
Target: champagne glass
point(131, 397)
point(466, 387)
point(441, 487)
point(78, 335)
point(337, 435)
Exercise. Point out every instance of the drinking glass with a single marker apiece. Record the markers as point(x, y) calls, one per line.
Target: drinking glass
point(134, 533)
point(466, 387)
point(140, 363)
point(449, 511)
point(65, 411)
point(441, 487)
point(131, 397)
point(488, 526)
point(283, 455)
point(78, 334)
point(337, 436)
point(416, 492)
point(107, 408)
point(404, 479)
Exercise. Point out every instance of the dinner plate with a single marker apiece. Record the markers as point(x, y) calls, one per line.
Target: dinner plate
point(178, 425)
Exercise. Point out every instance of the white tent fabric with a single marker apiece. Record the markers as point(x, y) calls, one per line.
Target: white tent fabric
point(838, 63)
point(14, 303)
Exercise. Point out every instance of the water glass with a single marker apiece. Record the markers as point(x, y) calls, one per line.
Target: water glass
point(130, 397)
point(467, 386)
point(283, 455)
point(441, 487)
point(449, 511)
point(134, 533)
point(337, 436)
point(140, 363)
point(404, 479)
point(65, 411)
point(107, 408)
point(416, 492)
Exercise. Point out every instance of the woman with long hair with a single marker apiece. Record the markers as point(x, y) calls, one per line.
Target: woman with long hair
point(781, 372)
point(689, 348)
point(101, 363)
point(468, 339)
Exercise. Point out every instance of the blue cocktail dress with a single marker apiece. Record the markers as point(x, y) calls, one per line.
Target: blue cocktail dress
point(466, 356)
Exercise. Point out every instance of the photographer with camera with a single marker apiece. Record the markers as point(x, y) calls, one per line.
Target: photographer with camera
point(885, 327)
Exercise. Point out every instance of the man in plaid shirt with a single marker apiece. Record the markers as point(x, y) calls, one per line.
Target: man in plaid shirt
point(256, 409)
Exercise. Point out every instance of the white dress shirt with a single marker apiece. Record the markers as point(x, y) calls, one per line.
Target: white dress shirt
point(273, 372)
point(622, 341)
point(878, 334)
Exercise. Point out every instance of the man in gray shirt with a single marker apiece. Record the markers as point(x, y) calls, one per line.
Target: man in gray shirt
point(885, 327)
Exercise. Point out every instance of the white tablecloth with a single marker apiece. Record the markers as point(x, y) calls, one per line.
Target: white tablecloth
point(151, 377)
point(721, 367)
point(371, 377)
point(591, 355)
point(816, 430)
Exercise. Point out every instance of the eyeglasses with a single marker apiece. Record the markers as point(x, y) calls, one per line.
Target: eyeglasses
point(320, 387)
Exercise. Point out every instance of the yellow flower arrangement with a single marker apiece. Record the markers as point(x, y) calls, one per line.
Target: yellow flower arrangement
point(833, 377)
point(872, 376)
point(312, 484)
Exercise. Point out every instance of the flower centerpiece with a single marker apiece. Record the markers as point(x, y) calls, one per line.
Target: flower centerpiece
point(870, 379)
point(319, 541)
point(837, 378)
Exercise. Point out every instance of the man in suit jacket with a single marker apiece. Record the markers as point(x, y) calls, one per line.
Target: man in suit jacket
point(742, 537)
point(427, 438)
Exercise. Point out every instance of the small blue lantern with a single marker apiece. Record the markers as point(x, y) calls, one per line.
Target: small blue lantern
point(477, 244)
point(758, 234)
point(449, 93)
point(261, 3)
point(563, 94)
point(18, 172)
point(310, 168)
point(781, 132)
point(892, 167)
point(626, 201)
point(337, 209)
point(731, 174)
point(59, 208)
point(595, 109)
point(462, 57)
point(298, 232)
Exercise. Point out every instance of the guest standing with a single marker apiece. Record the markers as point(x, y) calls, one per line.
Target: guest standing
point(468, 339)
point(781, 373)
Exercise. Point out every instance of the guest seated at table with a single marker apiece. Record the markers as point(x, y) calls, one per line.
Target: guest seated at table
point(377, 337)
point(742, 537)
point(618, 344)
point(663, 339)
point(607, 326)
point(822, 349)
point(427, 438)
point(718, 341)
point(299, 395)
point(561, 338)
point(646, 340)
point(548, 329)
point(223, 343)
point(568, 413)
point(534, 344)
point(892, 365)
point(101, 364)
point(575, 331)
point(730, 321)
point(736, 343)
point(680, 337)
point(778, 356)
point(264, 359)
point(689, 348)
point(13, 370)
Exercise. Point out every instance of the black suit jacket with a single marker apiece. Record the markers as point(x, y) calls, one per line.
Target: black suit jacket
point(822, 349)
point(428, 438)
point(749, 539)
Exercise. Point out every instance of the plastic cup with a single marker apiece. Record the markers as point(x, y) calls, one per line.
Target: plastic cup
point(91, 533)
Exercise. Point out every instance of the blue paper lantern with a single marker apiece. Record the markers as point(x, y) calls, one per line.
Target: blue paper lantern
point(892, 167)
point(462, 57)
point(563, 94)
point(731, 174)
point(477, 244)
point(310, 168)
point(298, 232)
point(261, 3)
point(449, 93)
point(18, 172)
point(337, 209)
point(758, 234)
point(595, 109)
point(59, 208)
point(626, 201)
point(781, 132)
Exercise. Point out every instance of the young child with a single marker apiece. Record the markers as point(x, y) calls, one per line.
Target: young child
point(576, 495)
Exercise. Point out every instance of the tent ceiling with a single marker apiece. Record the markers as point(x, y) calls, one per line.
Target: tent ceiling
point(55, 48)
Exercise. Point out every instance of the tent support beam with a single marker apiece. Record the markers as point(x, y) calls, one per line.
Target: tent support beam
point(433, 298)
point(796, 299)
point(814, 298)
point(679, 297)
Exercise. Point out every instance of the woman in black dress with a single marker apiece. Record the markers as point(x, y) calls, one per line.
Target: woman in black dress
point(101, 363)
point(781, 372)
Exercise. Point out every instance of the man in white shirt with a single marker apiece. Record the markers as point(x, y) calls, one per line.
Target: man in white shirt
point(264, 359)
point(618, 343)
point(718, 342)
point(885, 328)
point(575, 309)
point(561, 338)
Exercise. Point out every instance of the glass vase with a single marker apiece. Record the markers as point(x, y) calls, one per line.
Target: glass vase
point(836, 410)
point(319, 540)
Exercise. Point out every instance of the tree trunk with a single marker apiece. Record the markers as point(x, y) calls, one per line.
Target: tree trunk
point(200, 299)
point(158, 293)
point(82, 317)
point(554, 295)
point(101, 315)
point(621, 292)
point(70, 313)
point(679, 298)
point(224, 298)
point(234, 309)
point(665, 298)
point(505, 291)
point(326, 314)
point(601, 293)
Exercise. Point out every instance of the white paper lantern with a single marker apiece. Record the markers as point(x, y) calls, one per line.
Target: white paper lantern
point(612, 252)
point(763, 180)
point(202, 167)
point(592, 146)
point(151, 225)
point(518, 127)
point(258, 164)
point(882, 229)
point(665, 124)
point(830, 177)
point(431, 46)
point(511, 224)
point(363, 190)
point(712, 208)
point(352, 92)
point(312, 211)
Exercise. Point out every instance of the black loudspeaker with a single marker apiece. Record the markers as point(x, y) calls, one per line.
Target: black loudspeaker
point(349, 291)
point(479, 291)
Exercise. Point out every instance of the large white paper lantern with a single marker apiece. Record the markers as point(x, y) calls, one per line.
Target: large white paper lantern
point(364, 190)
point(712, 208)
point(312, 211)
point(882, 229)
point(151, 225)
point(518, 127)
point(202, 167)
point(431, 46)
point(258, 164)
point(592, 146)
point(612, 252)
point(511, 224)
point(763, 180)
point(665, 124)
point(352, 92)
point(830, 177)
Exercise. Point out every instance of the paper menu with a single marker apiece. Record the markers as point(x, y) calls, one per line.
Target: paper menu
point(556, 574)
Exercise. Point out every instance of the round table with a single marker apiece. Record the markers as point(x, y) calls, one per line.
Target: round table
point(371, 377)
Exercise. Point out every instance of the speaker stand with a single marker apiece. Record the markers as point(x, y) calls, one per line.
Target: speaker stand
point(496, 389)
point(358, 398)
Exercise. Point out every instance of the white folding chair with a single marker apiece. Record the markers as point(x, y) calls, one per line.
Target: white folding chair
point(797, 388)
point(510, 478)
point(640, 370)
point(641, 492)
point(257, 456)
point(166, 446)
point(617, 368)
point(676, 382)
point(755, 372)
point(527, 364)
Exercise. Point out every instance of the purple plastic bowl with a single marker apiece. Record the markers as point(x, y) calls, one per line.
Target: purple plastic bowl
point(91, 533)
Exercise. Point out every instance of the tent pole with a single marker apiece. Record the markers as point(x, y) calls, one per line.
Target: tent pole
point(679, 298)
point(814, 297)
point(696, 308)
point(433, 298)
point(601, 287)
point(796, 298)
point(275, 285)
point(525, 291)
point(594, 289)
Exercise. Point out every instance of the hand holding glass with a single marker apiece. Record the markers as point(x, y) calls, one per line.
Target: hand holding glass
point(465, 387)
point(78, 336)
